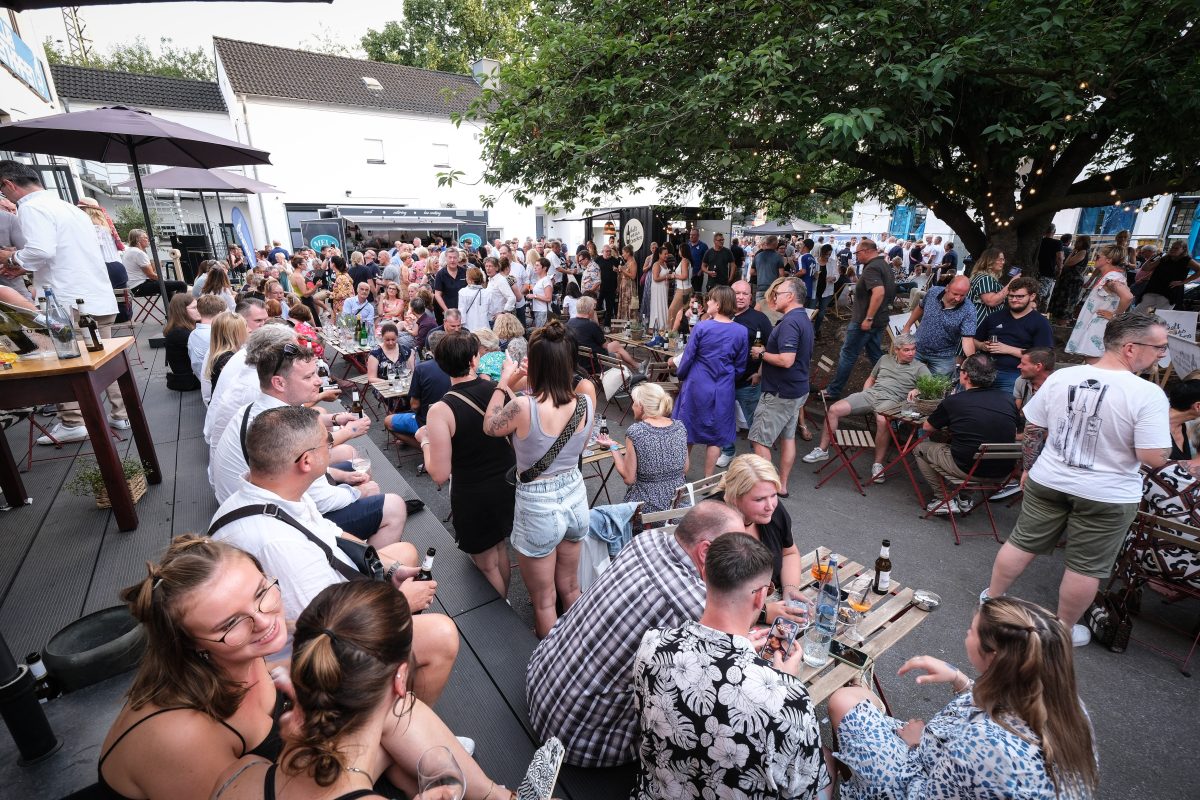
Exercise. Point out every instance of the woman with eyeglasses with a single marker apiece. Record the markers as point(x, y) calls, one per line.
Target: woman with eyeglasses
point(203, 696)
point(1108, 297)
point(987, 292)
point(1019, 731)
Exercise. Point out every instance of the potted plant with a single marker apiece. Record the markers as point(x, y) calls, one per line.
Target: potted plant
point(931, 389)
point(89, 480)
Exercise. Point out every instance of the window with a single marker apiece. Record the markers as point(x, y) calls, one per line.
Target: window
point(374, 150)
point(1182, 215)
point(441, 155)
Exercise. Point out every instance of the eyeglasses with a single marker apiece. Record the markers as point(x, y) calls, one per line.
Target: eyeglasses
point(1019, 296)
point(328, 443)
point(238, 632)
point(1162, 348)
point(783, 291)
point(288, 352)
point(770, 587)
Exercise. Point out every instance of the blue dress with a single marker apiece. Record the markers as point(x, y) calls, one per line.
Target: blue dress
point(715, 354)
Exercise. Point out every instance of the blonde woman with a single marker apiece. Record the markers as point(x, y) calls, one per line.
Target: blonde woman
point(473, 301)
point(1108, 297)
point(226, 337)
point(987, 293)
point(491, 358)
point(656, 453)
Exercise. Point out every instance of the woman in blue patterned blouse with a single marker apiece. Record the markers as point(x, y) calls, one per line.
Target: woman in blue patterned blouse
point(1020, 733)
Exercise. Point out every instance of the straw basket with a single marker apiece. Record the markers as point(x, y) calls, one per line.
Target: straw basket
point(926, 407)
point(137, 488)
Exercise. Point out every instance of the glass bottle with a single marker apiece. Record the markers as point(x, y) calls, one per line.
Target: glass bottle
point(60, 327)
point(829, 597)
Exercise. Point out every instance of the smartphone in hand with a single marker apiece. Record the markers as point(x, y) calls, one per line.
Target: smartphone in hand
point(780, 639)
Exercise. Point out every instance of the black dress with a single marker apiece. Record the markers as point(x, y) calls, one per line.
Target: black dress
point(481, 499)
point(180, 378)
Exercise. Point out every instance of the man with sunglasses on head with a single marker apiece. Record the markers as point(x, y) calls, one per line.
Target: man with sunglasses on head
point(287, 376)
point(1011, 332)
point(288, 450)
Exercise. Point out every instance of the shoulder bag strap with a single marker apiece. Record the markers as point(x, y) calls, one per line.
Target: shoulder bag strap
point(468, 401)
point(568, 431)
point(271, 510)
point(242, 434)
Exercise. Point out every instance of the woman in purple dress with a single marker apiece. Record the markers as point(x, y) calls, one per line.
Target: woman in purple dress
point(715, 354)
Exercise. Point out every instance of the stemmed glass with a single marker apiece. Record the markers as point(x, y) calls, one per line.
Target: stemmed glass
point(439, 776)
point(361, 465)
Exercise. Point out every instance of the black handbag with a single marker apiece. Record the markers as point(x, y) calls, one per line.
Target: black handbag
point(1109, 620)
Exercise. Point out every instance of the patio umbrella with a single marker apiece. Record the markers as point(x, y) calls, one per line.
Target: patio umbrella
point(123, 135)
point(26, 5)
point(777, 228)
point(191, 179)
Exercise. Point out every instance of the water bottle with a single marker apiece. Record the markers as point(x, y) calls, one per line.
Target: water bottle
point(817, 638)
point(60, 326)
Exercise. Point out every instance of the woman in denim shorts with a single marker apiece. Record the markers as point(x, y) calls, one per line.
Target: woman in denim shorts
point(551, 515)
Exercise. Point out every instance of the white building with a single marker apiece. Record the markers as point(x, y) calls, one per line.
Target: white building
point(360, 136)
point(27, 90)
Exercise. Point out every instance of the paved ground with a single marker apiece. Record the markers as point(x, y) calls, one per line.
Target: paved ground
point(1143, 709)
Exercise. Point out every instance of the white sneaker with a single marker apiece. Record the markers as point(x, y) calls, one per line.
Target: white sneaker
point(877, 473)
point(467, 744)
point(1010, 488)
point(983, 596)
point(965, 504)
point(723, 460)
point(118, 424)
point(64, 433)
point(941, 508)
point(1080, 635)
point(817, 454)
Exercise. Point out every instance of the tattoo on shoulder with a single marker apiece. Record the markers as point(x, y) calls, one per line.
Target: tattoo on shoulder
point(502, 418)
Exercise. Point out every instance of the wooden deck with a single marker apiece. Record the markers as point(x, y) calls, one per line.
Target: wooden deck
point(62, 558)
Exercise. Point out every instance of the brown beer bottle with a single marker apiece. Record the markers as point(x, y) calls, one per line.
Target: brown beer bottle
point(426, 573)
point(883, 569)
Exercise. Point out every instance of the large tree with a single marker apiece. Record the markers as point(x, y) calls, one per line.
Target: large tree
point(994, 114)
point(448, 34)
point(170, 61)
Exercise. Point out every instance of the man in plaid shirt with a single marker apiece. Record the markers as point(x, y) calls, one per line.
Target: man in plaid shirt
point(580, 678)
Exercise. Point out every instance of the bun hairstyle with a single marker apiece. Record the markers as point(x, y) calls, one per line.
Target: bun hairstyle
point(552, 355)
point(174, 670)
point(1032, 676)
point(349, 644)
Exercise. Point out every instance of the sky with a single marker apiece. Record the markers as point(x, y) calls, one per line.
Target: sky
point(194, 24)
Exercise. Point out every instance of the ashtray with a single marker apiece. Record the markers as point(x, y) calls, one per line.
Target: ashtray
point(926, 600)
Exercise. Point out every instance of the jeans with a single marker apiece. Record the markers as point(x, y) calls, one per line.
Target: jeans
point(856, 341)
point(1006, 379)
point(821, 305)
point(747, 397)
point(939, 365)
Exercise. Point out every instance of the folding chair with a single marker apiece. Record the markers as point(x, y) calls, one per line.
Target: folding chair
point(145, 309)
point(604, 363)
point(696, 491)
point(835, 308)
point(664, 520)
point(842, 441)
point(1163, 553)
point(952, 488)
point(587, 357)
point(130, 329)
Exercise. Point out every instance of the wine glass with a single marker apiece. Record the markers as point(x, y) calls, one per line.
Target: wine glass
point(439, 776)
point(361, 465)
point(392, 374)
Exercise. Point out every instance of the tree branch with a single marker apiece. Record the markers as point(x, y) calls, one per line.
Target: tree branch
point(1106, 198)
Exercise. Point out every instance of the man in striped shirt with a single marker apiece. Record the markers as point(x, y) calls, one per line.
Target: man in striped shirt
point(580, 678)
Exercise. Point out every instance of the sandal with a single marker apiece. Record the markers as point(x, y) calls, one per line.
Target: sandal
point(804, 432)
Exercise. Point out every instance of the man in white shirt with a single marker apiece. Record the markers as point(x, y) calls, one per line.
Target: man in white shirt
point(934, 253)
point(61, 251)
point(521, 276)
point(1088, 431)
point(142, 275)
point(287, 375)
point(288, 449)
point(207, 306)
point(239, 380)
point(10, 237)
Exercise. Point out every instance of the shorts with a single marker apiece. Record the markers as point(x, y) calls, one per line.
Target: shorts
point(776, 417)
point(548, 511)
point(402, 423)
point(361, 518)
point(1095, 530)
point(863, 403)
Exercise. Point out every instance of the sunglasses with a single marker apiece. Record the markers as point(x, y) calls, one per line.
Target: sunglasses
point(289, 352)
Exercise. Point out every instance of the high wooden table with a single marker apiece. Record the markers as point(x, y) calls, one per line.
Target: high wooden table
point(83, 379)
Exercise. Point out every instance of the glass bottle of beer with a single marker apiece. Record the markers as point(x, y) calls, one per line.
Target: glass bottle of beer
point(91, 330)
point(356, 406)
point(883, 569)
point(60, 327)
point(426, 573)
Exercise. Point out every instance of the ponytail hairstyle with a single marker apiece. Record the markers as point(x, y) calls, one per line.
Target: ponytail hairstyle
point(1032, 676)
point(175, 670)
point(350, 642)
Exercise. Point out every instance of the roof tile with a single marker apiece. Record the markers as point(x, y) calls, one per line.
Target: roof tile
point(259, 69)
point(109, 86)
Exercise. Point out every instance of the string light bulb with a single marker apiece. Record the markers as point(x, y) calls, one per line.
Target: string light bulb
point(1053, 147)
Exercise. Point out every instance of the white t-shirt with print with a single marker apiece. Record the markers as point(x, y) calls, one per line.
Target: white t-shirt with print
point(1096, 419)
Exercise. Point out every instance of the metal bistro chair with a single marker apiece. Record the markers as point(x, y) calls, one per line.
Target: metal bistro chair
point(952, 489)
point(130, 328)
point(698, 490)
point(605, 363)
point(145, 309)
point(847, 445)
point(1152, 541)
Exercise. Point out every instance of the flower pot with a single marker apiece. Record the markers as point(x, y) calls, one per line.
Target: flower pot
point(95, 647)
point(926, 407)
point(137, 488)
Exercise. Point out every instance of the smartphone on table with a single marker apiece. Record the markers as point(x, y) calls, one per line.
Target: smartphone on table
point(780, 638)
point(848, 655)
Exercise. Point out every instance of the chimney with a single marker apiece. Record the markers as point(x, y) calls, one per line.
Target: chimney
point(484, 71)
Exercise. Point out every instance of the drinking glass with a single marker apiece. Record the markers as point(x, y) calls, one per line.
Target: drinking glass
point(800, 603)
point(439, 776)
point(361, 465)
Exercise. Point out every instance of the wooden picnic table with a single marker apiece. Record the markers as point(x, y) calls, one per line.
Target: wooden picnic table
point(391, 394)
point(890, 619)
point(353, 355)
point(595, 457)
point(627, 341)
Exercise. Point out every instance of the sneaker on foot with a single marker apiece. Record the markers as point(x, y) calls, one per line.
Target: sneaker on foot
point(1080, 635)
point(940, 507)
point(118, 424)
point(723, 460)
point(983, 596)
point(877, 473)
point(965, 504)
point(1010, 488)
point(64, 433)
point(467, 744)
point(817, 454)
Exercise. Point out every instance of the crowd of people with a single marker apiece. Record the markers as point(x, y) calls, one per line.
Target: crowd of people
point(305, 564)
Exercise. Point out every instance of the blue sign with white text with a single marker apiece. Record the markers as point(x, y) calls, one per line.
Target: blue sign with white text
point(18, 58)
point(472, 239)
point(241, 229)
point(322, 240)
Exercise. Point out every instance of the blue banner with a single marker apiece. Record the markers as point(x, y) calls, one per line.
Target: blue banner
point(241, 229)
point(19, 59)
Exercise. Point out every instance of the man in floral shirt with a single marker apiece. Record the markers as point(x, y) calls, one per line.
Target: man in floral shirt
point(716, 719)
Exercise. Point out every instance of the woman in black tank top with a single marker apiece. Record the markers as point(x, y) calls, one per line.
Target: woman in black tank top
point(351, 680)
